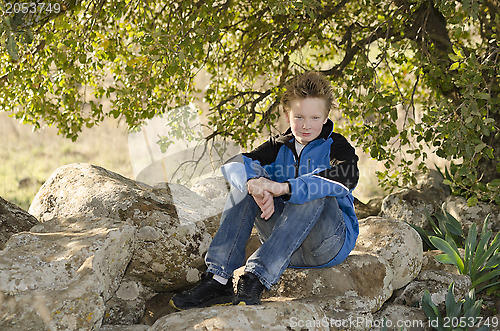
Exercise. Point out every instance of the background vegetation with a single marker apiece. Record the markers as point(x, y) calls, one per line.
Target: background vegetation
point(411, 77)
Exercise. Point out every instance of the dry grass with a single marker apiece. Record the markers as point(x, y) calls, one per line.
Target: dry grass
point(29, 158)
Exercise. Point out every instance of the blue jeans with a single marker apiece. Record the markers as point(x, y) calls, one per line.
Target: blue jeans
point(305, 235)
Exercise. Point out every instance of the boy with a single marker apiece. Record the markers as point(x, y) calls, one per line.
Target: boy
point(295, 188)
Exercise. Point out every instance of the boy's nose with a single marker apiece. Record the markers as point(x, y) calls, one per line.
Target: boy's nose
point(306, 125)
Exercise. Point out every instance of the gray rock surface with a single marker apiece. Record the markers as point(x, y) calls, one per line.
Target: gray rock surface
point(278, 315)
point(410, 204)
point(59, 275)
point(343, 285)
point(430, 263)
point(99, 228)
point(457, 207)
point(127, 305)
point(399, 317)
point(437, 283)
point(13, 220)
point(394, 241)
point(170, 219)
point(214, 189)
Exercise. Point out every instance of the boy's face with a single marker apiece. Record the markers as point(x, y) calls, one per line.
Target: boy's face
point(306, 118)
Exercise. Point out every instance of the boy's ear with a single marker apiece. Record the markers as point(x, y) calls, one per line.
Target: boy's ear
point(287, 116)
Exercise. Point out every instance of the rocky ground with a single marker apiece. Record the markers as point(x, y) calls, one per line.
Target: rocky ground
point(99, 251)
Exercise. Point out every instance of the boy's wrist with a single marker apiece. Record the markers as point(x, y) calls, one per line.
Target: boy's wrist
point(288, 191)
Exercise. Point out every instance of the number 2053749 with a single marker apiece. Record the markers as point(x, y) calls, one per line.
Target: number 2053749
point(467, 322)
point(32, 8)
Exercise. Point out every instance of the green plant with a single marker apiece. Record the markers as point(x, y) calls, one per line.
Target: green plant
point(445, 224)
point(481, 257)
point(460, 315)
point(466, 184)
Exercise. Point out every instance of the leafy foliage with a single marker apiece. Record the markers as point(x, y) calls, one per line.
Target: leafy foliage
point(481, 259)
point(460, 315)
point(465, 184)
point(411, 76)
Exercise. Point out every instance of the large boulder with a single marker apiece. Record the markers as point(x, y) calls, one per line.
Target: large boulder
point(13, 220)
point(343, 286)
point(170, 219)
point(458, 208)
point(411, 204)
point(394, 241)
point(59, 275)
point(277, 315)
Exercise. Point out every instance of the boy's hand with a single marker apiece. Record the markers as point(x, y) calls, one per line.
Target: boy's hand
point(266, 205)
point(263, 191)
point(257, 186)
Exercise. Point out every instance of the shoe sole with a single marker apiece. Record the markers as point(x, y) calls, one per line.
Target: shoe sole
point(243, 303)
point(208, 304)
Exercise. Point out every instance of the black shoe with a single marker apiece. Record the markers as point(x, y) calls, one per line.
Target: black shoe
point(208, 292)
point(249, 290)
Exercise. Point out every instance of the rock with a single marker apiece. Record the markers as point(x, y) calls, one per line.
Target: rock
point(430, 263)
point(432, 181)
point(397, 317)
point(59, 275)
point(394, 241)
point(457, 207)
point(437, 283)
point(372, 208)
point(214, 189)
point(171, 220)
point(124, 328)
point(269, 316)
point(13, 220)
point(409, 204)
point(128, 304)
point(157, 307)
point(343, 285)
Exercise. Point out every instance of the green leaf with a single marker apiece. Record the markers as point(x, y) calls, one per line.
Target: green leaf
point(447, 249)
point(453, 309)
point(12, 48)
point(488, 276)
point(444, 258)
point(489, 153)
point(470, 247)
point(429, 307)
point(472, 201)
point(479, 147)
point(482, 253)
point(482, 95)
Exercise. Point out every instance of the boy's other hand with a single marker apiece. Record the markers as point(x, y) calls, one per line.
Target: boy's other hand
point(266, 205)
point(263, 191)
